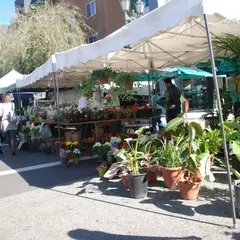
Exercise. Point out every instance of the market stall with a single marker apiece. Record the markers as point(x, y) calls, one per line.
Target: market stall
point(172, 35)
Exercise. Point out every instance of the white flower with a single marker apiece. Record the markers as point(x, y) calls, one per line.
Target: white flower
point(97, 144)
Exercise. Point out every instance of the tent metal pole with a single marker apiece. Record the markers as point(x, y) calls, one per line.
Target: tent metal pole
point(221, 119)
point(56, 93)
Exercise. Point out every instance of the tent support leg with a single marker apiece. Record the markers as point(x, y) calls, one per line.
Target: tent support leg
point(57, 103)
point(220, 119)
point(56, 93)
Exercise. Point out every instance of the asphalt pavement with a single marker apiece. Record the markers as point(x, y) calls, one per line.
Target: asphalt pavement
point(41, 200)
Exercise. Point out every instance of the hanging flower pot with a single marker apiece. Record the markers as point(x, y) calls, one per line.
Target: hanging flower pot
point(129, 84)
point(104, 80)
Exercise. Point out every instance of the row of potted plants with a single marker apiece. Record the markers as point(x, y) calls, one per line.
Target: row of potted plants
point(38, 114)
point(71, 113)
point(182, 159)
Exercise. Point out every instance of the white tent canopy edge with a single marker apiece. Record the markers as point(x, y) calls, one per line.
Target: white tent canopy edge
point(181, 19)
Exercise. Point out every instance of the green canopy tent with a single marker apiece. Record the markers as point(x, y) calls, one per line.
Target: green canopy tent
point(174, 73)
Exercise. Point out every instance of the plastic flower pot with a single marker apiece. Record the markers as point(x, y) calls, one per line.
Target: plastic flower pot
point(138, 186)
point(171, 176)
point(75, 160)
point(189, 191)
point(110, 158)
point(237, 197)
point(102, 171)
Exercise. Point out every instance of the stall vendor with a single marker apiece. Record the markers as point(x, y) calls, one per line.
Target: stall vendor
point(172, 97)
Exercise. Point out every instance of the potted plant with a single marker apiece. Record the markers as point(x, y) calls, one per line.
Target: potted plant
point(196, 164)
point(86, 87)
point(127, 97)
point(76, 155)
point(102, 169)
point(26, 130)
point(134, 159)
point(103, 75)
point(64, 158)
point(170, 158)
point(88, 145)
point(213, 140)
point(126, 112)
point(46, 148)
point(35, 134)
point(101, 150)
point(125, 80)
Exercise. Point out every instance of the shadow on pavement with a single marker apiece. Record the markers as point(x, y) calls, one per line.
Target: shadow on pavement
point(138, 208)
point(105, 187)
point(82, 234)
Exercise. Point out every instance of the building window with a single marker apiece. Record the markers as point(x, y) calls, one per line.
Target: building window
point(199, 92)
point(93, 38)
point(91, 9)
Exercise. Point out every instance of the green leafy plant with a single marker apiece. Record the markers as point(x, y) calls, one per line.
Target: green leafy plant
point(86, 87)
point(171, 154)
point(105, 72)
point(102, 150)
point(211, 138)
point(123, 77)
point(196, 165)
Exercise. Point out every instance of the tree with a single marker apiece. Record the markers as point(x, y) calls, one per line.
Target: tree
point(33, 37)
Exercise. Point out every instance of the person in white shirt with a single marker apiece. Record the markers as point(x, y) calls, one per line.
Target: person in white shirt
point(82, 103)
point(8, 126)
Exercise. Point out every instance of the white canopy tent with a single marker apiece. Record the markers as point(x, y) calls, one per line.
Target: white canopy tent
point(172, 35)
point(176, 34)
point(8, 82)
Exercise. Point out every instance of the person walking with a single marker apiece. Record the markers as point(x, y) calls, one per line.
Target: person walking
point(8, 122)
point(172, 97)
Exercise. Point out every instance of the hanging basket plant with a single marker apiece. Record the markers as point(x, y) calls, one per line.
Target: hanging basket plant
point(125, 80)
point(102, 75)
point(86, 87)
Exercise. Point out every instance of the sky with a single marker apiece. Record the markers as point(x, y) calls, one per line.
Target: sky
point(7, 9)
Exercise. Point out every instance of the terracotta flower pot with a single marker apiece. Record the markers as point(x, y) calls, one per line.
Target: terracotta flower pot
point(65, 165)
point(104, 80)
point(171, 176)
point(118, 116)
point(189, 191)
point(152, 176)
point(128, 84)
point(125, 181)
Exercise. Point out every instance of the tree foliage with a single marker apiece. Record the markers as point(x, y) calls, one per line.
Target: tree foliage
point(33, 37)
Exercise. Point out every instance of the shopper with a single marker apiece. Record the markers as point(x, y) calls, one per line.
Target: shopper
point(172, 97)
point(8, 121)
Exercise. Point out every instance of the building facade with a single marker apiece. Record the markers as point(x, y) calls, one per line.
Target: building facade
point(106, 16)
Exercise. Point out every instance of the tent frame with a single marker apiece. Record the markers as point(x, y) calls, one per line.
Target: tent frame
point(212, 58)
